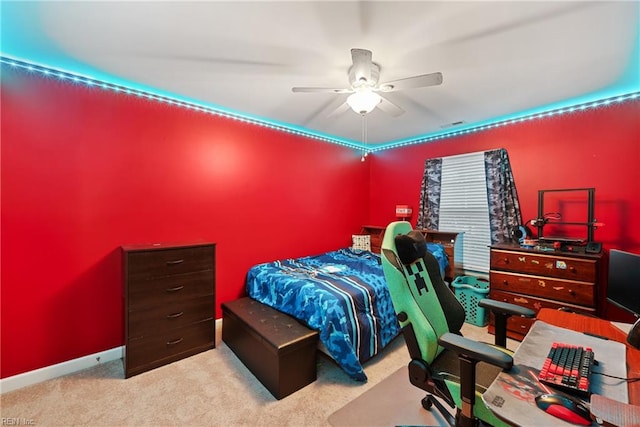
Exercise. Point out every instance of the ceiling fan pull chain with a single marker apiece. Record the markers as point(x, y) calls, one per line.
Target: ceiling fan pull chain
point(364, 137)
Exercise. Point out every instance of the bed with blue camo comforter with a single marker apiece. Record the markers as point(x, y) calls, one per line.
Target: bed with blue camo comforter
point(342, 294)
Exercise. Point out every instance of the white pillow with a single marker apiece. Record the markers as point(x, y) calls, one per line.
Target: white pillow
point(361, 242)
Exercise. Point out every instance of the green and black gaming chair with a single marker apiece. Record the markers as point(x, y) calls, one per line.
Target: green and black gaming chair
point(443, 362)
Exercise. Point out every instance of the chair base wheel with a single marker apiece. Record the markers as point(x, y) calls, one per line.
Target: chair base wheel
point(427, 403)
point(430, 400)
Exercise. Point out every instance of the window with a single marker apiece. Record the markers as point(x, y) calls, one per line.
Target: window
point(473, 194)
point(464, 208)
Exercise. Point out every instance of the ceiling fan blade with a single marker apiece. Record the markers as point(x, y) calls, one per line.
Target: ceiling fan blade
point(320, 89)
point(339, 110)
point(423, 80)
point(361, 64)
point(389, 107)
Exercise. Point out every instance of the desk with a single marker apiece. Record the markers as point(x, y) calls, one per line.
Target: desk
point(601, 327)
point(511, 395)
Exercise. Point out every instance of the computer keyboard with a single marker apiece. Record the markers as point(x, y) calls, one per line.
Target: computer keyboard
point(568, 367)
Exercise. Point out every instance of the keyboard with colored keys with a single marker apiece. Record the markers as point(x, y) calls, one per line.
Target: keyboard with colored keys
point(568, 367)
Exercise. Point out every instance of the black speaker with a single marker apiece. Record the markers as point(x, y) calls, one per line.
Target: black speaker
point(519, 233)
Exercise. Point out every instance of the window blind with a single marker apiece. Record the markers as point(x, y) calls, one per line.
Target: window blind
point(464, 208)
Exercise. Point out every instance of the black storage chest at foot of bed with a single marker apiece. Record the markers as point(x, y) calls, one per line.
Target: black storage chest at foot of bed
point(278, 349)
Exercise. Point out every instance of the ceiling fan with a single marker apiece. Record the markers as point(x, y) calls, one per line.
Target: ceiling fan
point(365, 88)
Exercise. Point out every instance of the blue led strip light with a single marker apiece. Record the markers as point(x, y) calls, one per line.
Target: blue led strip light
point(526, 117)
point(76, 78)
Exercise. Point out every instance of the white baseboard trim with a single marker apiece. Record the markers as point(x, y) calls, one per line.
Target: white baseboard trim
point(54, 371)
point(70, 366)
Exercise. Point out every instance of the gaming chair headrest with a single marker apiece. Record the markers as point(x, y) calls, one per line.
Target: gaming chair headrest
point(411, 246)
point(389, 252)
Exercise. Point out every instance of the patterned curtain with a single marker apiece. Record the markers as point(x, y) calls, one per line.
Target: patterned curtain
point(429, 212)
point(504, 207)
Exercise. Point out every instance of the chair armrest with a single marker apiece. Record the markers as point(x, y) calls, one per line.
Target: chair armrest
point(476, 350)
point(469, 354)
point(501, 312)
point(499, 307)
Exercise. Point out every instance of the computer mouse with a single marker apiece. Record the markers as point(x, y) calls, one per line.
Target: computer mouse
point(565, 408)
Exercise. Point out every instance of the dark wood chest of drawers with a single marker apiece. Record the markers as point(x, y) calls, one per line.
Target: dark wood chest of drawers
point(169, 303)
point(537, 279)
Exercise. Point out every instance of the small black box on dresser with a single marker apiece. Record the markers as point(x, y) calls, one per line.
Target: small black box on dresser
point(278, 349)
point(169, 303)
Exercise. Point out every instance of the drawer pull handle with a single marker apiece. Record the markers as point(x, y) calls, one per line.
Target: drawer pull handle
point(174, 342)
point(522, 300)
point(175, 315)
point(506, 260)
point(175, 262)
point(176, 289)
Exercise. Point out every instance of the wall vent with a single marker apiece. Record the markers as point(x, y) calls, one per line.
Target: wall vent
point(452, 124)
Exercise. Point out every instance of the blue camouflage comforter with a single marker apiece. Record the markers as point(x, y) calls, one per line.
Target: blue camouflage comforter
point(342, 294)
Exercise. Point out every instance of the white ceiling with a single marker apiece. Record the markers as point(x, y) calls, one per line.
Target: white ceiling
point(497, 58)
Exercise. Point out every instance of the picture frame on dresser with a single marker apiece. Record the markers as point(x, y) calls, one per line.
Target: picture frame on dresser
point(169, 303)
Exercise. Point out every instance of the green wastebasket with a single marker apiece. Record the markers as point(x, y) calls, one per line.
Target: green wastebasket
point(470, 290)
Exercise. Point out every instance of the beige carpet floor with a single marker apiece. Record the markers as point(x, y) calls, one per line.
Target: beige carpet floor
point(211, 388)
point(392, 402)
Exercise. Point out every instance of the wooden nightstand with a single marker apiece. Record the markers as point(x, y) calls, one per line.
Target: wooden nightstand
point(377, 233)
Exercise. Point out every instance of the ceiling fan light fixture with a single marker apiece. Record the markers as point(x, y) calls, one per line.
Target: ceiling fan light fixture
point(363, 101)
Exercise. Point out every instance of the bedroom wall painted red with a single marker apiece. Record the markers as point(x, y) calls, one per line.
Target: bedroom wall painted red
point(85, 171)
